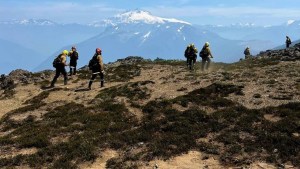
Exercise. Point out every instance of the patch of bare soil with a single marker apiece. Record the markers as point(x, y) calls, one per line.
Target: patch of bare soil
point(192, 160)
point(100, 163)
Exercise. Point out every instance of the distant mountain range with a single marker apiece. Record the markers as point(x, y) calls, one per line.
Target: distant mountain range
point(138, 33)
point(40, 36)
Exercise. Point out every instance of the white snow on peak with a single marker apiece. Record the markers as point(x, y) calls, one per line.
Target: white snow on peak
point(179, 30)
point(146, 17)
point(147, 35)
point(40, 22)
point(289, 22)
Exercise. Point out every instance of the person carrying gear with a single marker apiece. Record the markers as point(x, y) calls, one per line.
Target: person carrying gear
point(247, 53)
point(59, 63)
point(73, 60)
point(97, 67)
point(205, 54)
point(186, 53)
point(191, 55)
point(288, 42)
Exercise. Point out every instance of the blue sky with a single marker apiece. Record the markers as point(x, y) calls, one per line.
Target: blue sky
point(259, 12)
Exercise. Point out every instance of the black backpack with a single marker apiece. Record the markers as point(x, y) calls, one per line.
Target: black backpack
point(93, 62)
point(57, 61)
point(203, 52)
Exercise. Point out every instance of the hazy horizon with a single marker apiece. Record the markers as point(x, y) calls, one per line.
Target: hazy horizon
point(216, 12)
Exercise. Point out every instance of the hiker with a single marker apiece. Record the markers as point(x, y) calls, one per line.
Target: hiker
point(247, 53)
point(59, 63)
point(288, 42)
point(97, 67)
point(205, 54)
point(73, 60)
point(191, 55)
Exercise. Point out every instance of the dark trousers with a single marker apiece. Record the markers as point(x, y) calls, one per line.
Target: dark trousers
point(72, 70)
point(191, 62)
point(60, 70)
point(73, 64)
point(204, 60)
point(94, 75)
point(287, 45)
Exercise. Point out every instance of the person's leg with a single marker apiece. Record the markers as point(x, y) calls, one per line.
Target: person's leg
point(203, 63)
point(101, 80)
point(187, 62)
point(57, 73)
point(194, 62)
point(70, 73)
point(64, 72)
point(190, 63)
point(74, 72)
point(92, 80)
point(208, 63)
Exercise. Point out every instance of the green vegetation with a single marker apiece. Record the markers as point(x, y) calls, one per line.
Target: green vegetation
point(121, 73)
point(71, 134)
point(133, 91)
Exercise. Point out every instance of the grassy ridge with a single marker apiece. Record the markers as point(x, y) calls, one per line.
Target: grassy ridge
point(71, 134)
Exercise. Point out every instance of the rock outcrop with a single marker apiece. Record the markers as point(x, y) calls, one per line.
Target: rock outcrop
point(289, 54)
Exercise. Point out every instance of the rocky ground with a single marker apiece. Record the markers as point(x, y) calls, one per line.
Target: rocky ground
point(156, 114)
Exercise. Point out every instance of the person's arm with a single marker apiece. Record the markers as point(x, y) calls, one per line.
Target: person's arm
point(76, 55)
point(64, 60)
point(209, 52)
point(101, 62)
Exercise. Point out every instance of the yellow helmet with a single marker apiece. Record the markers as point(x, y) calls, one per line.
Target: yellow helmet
point(65, 52)
point(206, 44)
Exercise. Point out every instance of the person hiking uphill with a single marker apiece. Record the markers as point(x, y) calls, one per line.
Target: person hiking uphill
point(59, 63)
point(191, 55)
point(205, 54)
point(73, 60)
point(97, 67)
point(288, 42)
point(247, 53)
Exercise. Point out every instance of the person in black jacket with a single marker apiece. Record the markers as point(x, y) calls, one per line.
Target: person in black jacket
point(73, 60)
point(97, 67)
point(288, 42)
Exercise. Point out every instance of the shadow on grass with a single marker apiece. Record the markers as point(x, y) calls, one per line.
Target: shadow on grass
point(239, 134)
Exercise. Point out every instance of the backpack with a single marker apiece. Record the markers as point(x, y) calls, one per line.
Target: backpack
point(203, 53)
point(57, 61)
point(93, 62)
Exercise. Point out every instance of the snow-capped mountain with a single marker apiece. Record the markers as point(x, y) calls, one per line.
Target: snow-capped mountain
point(138, 33)
point(40, 36)
point(140, 16)
point(136, 16)
point(36, 22)
point(276, 34)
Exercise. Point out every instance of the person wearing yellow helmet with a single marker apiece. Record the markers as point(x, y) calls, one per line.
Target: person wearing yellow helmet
point(191, 55)
point(59, 63)
point(247, 53)
point(205, 54)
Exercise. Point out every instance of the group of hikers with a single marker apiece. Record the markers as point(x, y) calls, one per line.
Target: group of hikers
point(97, 67)
point(191, 56)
